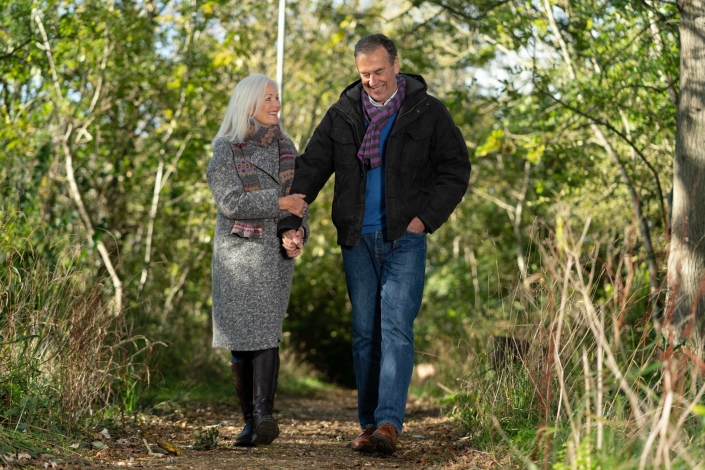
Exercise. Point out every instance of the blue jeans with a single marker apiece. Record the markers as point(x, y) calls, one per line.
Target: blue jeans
point(385, 282)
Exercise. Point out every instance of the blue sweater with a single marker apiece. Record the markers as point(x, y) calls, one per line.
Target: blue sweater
point(375, 208)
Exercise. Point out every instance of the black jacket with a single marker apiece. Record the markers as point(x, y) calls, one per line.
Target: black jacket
point(427, 166)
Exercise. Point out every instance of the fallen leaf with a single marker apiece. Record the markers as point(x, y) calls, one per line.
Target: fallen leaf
point(206, 438)
point(105, 433)
point(98, 445)
point(75, 446)
point(23, 456)
point(168, 446)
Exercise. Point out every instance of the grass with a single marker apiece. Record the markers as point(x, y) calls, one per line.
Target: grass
point(69, 364)
point(603, 385)
point(296, 378)
point(64, 354)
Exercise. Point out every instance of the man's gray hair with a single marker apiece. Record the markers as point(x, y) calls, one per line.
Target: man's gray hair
point(246, 100)
point(370, 43)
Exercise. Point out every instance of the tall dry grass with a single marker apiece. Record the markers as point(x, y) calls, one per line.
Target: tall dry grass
point(606, 383)
point(63, 354)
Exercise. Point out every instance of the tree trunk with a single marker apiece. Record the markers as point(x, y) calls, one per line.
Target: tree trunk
point(686, 262)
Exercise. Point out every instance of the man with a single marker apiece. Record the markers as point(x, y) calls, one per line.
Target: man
point(401, 166)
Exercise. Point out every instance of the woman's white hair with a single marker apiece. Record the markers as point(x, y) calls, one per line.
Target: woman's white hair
point(246, 100)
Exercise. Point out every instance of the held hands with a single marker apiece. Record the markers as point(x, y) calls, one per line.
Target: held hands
point(293, 242)
point(293, 203)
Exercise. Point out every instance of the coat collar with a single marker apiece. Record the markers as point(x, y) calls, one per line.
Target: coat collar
point(350, 103)
point(350, 98)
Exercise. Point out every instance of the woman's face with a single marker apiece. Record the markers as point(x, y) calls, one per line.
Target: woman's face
point(268, 113)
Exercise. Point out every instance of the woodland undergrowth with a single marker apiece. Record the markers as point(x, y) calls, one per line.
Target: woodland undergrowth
point(67, 360)
point(589, 373)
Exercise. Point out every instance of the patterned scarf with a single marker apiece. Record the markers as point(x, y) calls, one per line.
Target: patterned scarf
point(378, 117)
point(247, 172)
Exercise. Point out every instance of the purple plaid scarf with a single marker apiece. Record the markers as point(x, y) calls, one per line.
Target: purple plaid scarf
point(264, 136)
point(377, 118)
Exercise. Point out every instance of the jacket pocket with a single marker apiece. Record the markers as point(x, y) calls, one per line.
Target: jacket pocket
point(417, 145)
point(344, 148)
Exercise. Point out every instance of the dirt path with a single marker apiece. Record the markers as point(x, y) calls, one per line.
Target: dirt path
point(315, 433)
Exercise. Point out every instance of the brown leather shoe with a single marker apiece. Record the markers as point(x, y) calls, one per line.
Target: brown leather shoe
point(362, 442)
point(385, 439)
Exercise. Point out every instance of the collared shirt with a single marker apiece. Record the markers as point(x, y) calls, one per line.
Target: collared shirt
point(378, 105)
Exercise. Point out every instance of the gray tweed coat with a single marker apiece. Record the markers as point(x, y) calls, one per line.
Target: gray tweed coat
point(251, 277)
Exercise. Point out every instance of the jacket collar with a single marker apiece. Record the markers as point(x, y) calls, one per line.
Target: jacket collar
point(351, 97)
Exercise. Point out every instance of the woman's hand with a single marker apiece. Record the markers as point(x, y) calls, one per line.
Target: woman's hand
point(293, 203)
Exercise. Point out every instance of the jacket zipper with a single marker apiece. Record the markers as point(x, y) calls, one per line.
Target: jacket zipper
point(351, 121)
point(409, 111)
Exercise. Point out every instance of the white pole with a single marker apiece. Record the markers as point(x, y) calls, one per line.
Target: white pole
point(280, 50)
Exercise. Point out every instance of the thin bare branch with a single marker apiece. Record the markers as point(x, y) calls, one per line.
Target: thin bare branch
point(516, 222)
point(559, 38)
point(70, 176)
point(481, 12)
point(47, 49)
point(90, 232)
point(495, 200)
point(607, 125)
point(159, 183)
point(641, 219)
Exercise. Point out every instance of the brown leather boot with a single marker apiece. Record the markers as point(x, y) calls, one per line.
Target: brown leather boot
point(242, 378)
point(362, 442)
point(266, 373)
point(385, 439)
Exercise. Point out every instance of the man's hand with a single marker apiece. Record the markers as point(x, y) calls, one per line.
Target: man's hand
point(294, 204)
point(416, 226)
point(293, 242)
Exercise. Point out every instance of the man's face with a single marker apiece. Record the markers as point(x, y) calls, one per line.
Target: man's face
point(377, 74)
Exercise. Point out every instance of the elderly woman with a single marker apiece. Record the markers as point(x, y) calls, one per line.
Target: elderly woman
point(250, 176)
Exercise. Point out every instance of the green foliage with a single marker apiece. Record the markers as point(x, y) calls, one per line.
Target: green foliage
point(206, 438)
point(533, 118)
point(510, 400)
point(580, 395)
point(62, 350)
point(136, 91)
point(296, 378)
